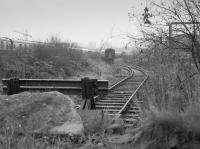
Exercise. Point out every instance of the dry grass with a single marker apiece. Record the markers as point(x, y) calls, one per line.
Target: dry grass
point(108, 146)
point(92, 121)
point(23, 115)
point(168, 129)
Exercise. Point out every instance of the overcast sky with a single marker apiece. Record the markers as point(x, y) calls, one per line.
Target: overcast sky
point(77, 20)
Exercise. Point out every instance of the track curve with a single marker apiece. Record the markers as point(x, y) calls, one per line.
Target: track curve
point(122, 100)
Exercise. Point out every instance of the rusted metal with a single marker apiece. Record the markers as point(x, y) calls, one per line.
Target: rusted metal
point(135, 92)
point(110, 89)
point(131, 73)
point(70, 87)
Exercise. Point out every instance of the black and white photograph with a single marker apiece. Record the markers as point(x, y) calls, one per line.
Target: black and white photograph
point(99, 74)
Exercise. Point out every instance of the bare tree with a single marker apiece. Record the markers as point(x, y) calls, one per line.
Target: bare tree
point(174, 25)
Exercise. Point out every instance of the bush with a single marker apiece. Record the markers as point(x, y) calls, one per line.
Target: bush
point(168, 129)
point(41, 52)
point(42, 61)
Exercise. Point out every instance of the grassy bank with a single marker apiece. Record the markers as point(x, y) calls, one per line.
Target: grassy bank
point(42, 62)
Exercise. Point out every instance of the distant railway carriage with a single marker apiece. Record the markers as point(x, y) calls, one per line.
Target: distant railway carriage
point(6, 44)
point(109, 55)
point(12, 44)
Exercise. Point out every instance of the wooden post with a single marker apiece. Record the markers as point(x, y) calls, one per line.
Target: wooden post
point(13, 86)
point(89, 90)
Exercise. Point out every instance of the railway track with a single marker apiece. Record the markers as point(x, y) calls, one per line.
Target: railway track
point(123, 100)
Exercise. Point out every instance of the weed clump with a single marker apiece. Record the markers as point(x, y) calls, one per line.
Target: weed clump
point(168, 130)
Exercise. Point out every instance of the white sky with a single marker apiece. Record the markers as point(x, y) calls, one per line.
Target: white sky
point(76, 20)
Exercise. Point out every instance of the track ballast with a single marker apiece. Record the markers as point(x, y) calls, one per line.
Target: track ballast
point(122, 100)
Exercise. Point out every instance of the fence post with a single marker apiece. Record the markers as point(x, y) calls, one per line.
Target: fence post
point(13, 86)
point(89, 90)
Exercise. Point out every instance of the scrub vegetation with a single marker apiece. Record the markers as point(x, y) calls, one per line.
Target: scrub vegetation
point(171, 118)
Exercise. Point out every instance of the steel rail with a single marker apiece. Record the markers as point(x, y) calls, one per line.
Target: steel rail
point(71, 87)
point(131, 73)
point(110, 89)
point(134, 93)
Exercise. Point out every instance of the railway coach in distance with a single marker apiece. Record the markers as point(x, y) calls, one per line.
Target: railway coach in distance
point(6, 43)
point(13, 44)
point(110, 55)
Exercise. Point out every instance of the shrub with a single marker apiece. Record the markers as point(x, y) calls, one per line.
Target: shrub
point(41, 52)
point(42, 61)
point(169, 129)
